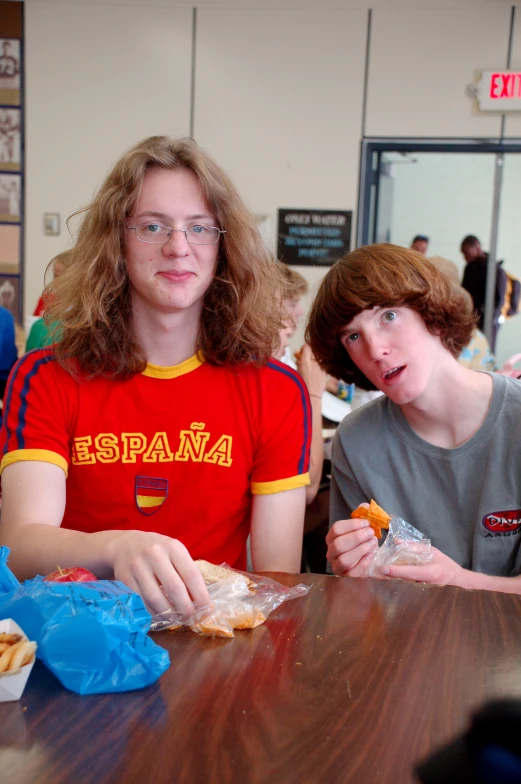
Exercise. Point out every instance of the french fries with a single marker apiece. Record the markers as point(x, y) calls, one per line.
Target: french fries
point(10, 639)
point(15, 652)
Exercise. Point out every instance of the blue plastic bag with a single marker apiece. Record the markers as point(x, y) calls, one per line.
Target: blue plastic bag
point(92, 636)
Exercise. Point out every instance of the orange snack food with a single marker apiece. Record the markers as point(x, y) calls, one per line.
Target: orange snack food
point(376, 516)
point(237, 616)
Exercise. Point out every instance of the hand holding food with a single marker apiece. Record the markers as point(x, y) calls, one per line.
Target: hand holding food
point(160, 569)
point(237, 601)
point(351, 545)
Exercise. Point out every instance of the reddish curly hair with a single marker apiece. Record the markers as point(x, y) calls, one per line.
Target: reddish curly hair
point(381, 276)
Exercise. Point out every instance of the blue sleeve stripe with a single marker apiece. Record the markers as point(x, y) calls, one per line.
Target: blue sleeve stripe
point(303, 464)
point(20, 367)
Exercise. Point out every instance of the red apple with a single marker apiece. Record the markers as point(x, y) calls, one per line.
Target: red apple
point(73, 574)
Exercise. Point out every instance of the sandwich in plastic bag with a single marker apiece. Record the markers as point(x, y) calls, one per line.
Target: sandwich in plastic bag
point(239, 600)
point(91, 635)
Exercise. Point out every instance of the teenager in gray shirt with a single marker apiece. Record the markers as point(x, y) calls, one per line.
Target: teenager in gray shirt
point(442, 449)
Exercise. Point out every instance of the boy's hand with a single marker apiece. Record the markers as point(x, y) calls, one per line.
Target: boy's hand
point(442, 570)
point(154, 565)
point(351, 545)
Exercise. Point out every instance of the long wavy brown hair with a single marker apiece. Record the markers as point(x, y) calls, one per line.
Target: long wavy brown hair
point(381, 276)
point(91, 298)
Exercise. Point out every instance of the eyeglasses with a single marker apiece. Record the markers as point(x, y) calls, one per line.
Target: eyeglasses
point(194, 235)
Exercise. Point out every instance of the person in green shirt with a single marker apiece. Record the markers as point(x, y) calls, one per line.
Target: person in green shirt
point(42, 334)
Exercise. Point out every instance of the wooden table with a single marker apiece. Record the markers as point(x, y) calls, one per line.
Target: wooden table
point(353, 683)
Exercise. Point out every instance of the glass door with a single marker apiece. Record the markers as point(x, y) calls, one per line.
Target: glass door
point(444, 196)
point(445, 191)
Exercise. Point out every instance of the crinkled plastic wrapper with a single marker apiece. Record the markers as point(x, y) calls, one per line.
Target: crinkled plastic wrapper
point(241, 601)
point(403, 546)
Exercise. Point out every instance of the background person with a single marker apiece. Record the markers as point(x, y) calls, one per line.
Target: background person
point(44, 333)
point(8, 351)
point(477, 354)
point(57, 266)
point(335, 403)
point(475, 282)
point(317, 492)
point(293, 289)
point(420, 244)
point(442, 450)
point(8, 296)
point(115, 457)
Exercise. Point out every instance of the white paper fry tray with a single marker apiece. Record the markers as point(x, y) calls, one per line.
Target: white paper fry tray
point(12, 684)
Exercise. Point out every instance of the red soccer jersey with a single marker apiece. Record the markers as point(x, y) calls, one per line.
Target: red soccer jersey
point(175, 450)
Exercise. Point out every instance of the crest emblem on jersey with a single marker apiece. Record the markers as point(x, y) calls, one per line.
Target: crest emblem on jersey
point(503, 523)
point(150, 494)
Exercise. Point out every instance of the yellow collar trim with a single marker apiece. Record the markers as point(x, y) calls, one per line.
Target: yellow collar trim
point(156, 371)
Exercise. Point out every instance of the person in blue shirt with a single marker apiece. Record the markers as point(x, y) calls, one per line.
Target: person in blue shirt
point(8, 351)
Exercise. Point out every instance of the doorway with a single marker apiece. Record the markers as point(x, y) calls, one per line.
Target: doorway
point(445, 189)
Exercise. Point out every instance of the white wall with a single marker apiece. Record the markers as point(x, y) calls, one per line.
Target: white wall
point(278, 93)
point(421, 62)
point(97, 80)
point(290, 116)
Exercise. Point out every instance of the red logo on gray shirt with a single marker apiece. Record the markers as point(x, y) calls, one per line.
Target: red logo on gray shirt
point(501, 523)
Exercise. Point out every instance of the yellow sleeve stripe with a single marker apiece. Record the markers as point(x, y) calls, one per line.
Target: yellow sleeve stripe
point(43, 455)
point(279, 485)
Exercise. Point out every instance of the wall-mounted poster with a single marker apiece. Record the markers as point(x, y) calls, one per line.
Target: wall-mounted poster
point(313, 237)
point(10, 198)
point(10, 69)
point(10, 294)
point(10, 142)
point(9, 249)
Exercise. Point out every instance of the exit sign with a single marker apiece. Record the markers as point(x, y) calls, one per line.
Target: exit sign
point(499, 91)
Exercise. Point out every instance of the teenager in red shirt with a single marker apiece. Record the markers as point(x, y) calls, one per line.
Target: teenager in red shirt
point(158, 429)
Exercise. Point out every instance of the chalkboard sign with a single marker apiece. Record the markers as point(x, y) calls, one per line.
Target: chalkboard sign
point(313, 236)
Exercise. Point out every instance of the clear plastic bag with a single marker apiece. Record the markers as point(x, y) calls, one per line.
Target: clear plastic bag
point(241, 601)
point(404, 545)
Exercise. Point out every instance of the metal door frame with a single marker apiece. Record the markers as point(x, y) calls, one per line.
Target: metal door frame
point(369, 175)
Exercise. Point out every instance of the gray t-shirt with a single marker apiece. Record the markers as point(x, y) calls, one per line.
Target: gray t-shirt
point(466, 500)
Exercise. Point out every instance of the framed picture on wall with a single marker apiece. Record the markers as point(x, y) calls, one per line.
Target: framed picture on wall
point(10, 139)
point(10, 249)
point(10, 294)
point(10, 190)
point(10, 71)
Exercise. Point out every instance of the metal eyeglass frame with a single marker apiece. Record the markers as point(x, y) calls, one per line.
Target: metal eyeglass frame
point(171, 231)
